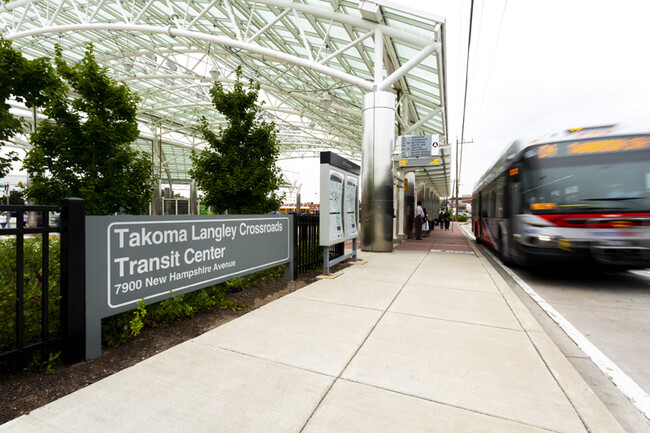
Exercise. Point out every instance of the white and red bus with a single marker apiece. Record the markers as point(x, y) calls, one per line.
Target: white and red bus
point(582, 193)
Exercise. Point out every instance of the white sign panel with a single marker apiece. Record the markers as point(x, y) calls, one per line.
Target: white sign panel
point(336, 204)
point(416, 146)
point(339, 207)
point(351, 200)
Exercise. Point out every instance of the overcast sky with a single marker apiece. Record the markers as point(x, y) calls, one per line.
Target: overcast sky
point(537, 66)
point(540, 66)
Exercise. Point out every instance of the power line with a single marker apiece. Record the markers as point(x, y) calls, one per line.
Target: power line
point(462, 129)
point(469, 45)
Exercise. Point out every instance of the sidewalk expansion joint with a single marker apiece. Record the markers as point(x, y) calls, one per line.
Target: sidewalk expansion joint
point(338, 377)
point(442, 403)
point(482, 325)
point(337, 303)
point(272, 361)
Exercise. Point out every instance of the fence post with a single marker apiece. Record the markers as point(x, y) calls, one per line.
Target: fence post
point(73, 279)
point(291, 268)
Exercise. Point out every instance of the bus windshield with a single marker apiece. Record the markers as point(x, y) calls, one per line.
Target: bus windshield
point(597, 178)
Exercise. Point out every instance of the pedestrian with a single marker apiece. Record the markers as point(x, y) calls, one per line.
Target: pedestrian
point(425, 223)
point(419, 220)
point(3, 220)
point(441, 219)
point(447, 220)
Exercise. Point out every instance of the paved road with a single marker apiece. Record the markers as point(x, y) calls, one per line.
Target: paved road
point(612, 311)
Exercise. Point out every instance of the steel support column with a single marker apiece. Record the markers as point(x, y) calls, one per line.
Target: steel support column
point(377, 171)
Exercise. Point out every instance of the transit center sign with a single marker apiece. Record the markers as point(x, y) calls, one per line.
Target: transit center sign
point(130, 258)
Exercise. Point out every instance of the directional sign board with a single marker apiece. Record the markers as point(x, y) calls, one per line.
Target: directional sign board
point(416, 146)
point(418, 162)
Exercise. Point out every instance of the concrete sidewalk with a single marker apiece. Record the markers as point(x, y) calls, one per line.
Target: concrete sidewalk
point(430, 340)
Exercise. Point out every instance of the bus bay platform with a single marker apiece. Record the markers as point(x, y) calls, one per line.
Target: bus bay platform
point(428, 338)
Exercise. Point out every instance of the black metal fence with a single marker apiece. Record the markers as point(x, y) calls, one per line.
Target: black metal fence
point(42, 299)
point(34, 306)
point(309, 254)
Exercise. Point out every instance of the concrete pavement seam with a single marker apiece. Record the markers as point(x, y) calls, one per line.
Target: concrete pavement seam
point(272, 361)
point(338, 377)
point(463, 322)
point(491, 415)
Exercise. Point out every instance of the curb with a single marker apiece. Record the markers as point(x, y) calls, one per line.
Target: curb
point(592, 412)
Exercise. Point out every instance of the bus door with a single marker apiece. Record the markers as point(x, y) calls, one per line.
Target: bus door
point(513, 207)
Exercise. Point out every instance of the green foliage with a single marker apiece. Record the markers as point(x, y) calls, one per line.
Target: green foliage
point(116, 329)
point(84, 151)
point(32, 290)
point(136, 324)
point(28, 81)
point(237, 171)
point(42, 362)
point(15, 197)
point(120, 328)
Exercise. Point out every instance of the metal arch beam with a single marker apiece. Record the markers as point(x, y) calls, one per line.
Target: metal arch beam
point(264, 87)
point(429, 46)
point(422, 121)
point(308, 64)
point(346, 19)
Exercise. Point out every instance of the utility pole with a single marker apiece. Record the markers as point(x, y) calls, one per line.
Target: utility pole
point(457, 158)
point(457, 172)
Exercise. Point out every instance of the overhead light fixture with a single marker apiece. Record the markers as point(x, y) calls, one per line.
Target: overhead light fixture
point(215, 73)
point(370, 11)
point(128, 65)
point(326, 100)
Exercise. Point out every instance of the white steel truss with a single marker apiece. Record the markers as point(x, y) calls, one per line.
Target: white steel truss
point(303, 53)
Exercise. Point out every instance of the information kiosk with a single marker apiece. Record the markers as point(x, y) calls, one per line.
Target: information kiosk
point(339, 207)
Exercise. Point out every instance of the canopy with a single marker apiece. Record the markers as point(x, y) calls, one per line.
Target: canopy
point(314, 61)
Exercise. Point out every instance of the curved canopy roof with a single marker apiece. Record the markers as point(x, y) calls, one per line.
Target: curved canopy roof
point(314, 60)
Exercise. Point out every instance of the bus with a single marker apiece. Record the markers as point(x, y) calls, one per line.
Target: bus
point(583, 193)
point(305, 209)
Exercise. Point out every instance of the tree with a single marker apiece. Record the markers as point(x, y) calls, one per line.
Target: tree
point(237, 171)
point(84, 150)
point(27, 81)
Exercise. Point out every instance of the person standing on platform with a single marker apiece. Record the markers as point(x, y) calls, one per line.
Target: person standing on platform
point(419, 220)
point(425, 223)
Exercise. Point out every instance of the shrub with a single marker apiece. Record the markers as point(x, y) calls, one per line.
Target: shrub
point(32, 290)
point(122, 327)
point(116, 329)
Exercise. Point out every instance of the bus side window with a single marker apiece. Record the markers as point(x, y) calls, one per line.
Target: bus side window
point(493, 205)
point(515, 198)
point(500, 196)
